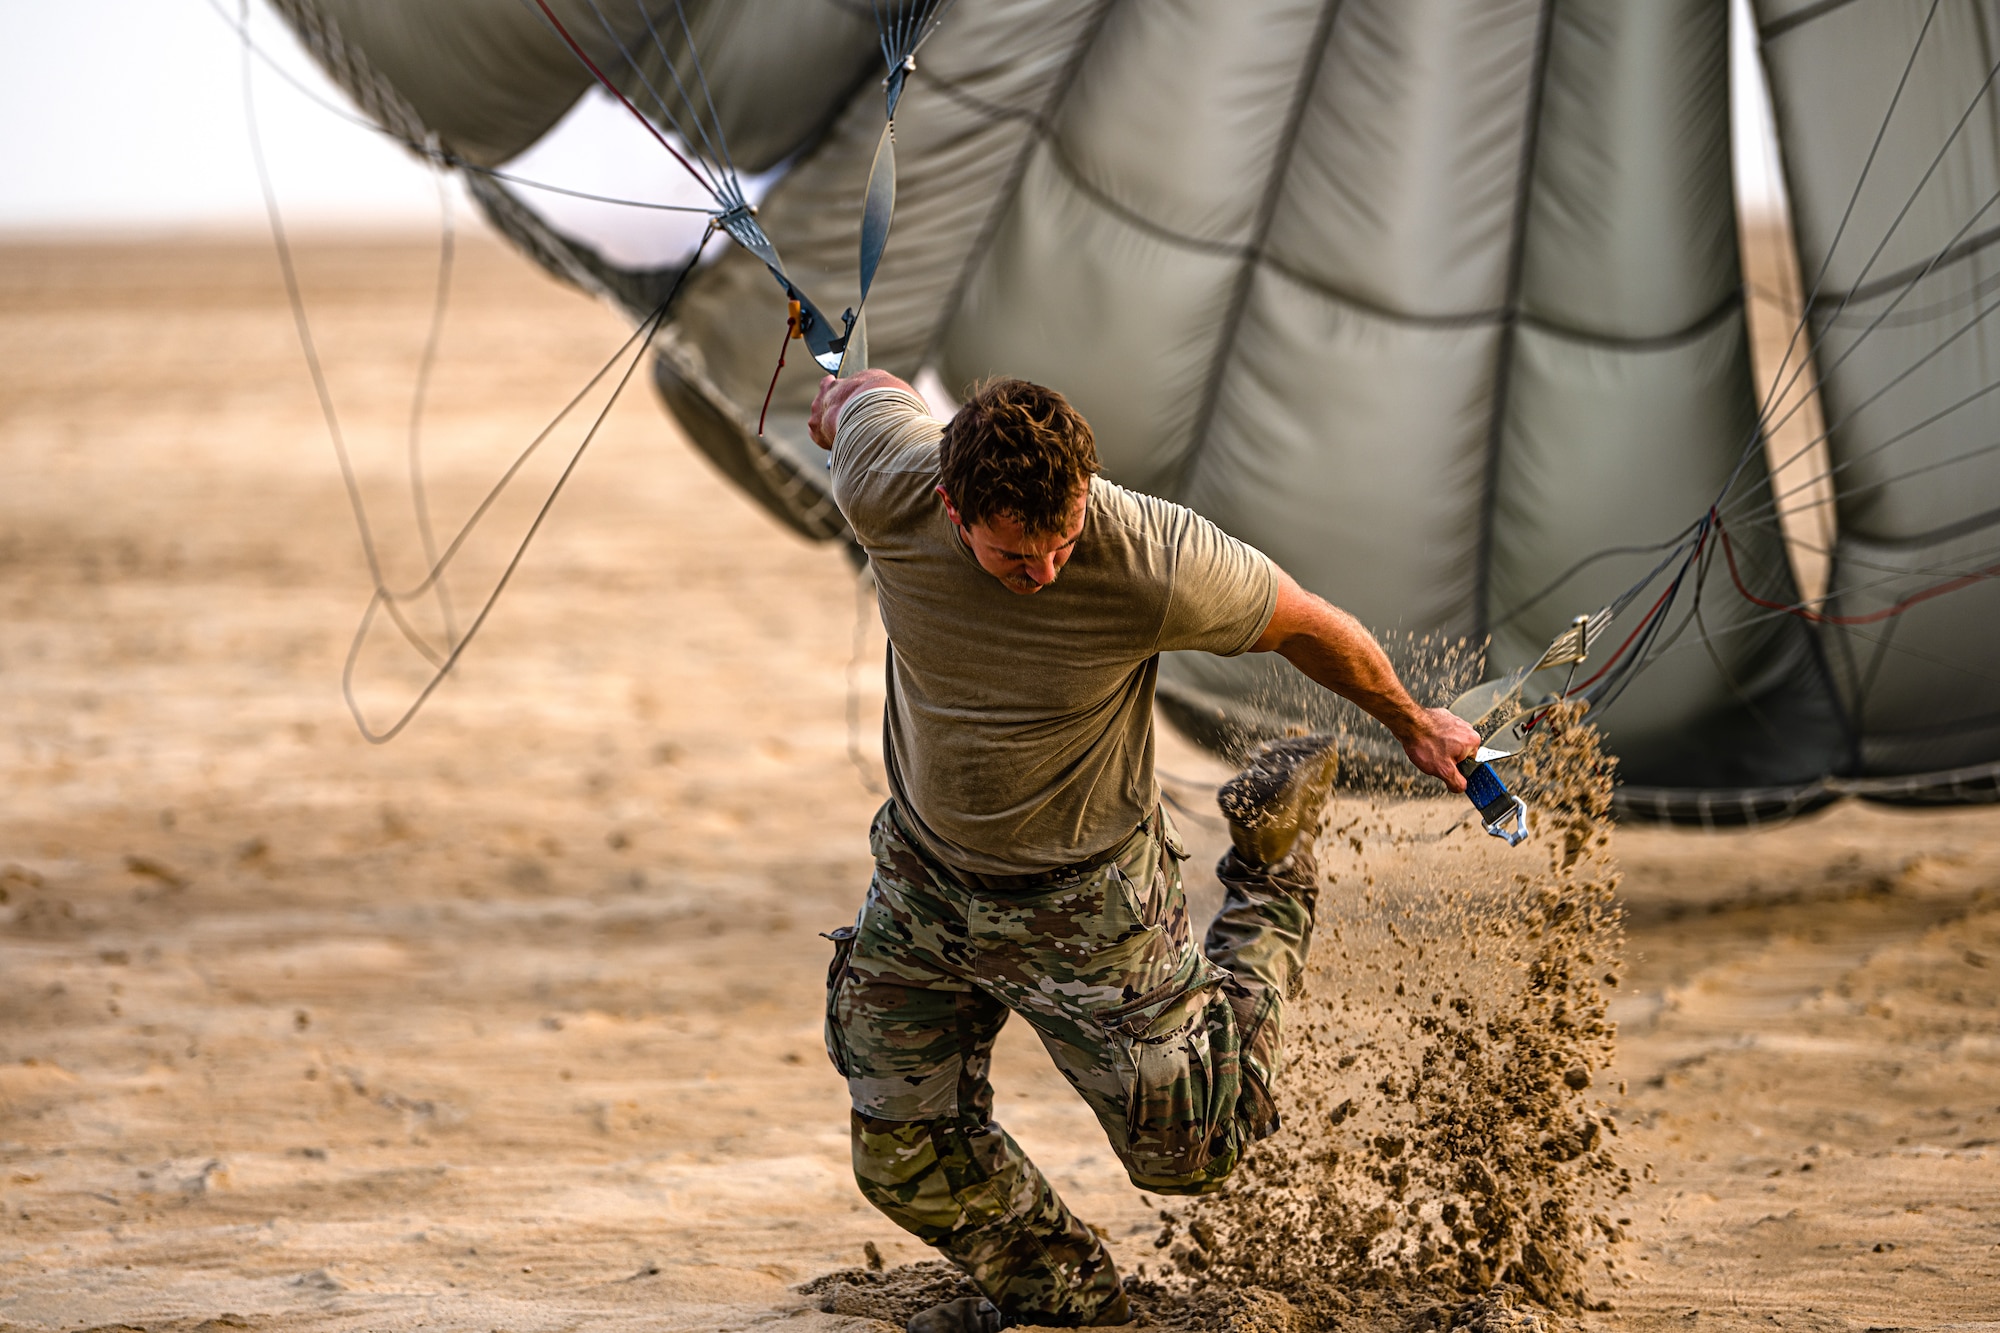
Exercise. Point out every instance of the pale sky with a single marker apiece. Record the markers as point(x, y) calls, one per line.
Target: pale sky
point(128, 115)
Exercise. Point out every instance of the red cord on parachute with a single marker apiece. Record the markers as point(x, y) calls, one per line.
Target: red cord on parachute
point(1819, 618)
point(792, 331)
point(612, 88)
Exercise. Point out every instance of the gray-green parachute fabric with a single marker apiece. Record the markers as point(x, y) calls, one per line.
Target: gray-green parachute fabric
point(1436, 301)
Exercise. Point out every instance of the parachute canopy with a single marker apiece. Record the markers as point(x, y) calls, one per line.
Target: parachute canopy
point(1438, 302)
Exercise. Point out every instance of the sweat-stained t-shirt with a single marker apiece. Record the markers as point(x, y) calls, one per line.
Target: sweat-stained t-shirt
point(1018, 731)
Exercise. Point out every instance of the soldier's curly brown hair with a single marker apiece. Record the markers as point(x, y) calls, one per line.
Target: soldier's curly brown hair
point(1017, 450)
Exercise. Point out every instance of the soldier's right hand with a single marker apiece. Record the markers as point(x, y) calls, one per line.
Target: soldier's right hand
point(833, 395)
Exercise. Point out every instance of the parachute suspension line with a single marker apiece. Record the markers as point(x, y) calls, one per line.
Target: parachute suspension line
point(1648, 647)
point(291, 279)
point(605, 81)
point(1638, 652)
point(1862, 337)
point(717, 185)
point(909, 27)
point(736, 217)
point(435, 153)
point(1860, 278)
point(904, 26)
point(1908, 286)
point(1781, 385)
point(419, 499)
point(1898, 378)
point(1764, 516)
point(385, 600)
point(1890, 578)
point(723, 185)
point(1644, 644)
point(1674, 542)
point(1648, 627)
point(1766, 512)
point(303, 327)
point(1914, 315)
point(1953, 567)
point(1722, 669)
point(1762, 617)
point(1802, 325)
point(639, 339)
point(1763, 513)
point(451, 159)
point(701, 77)
point(499, 487)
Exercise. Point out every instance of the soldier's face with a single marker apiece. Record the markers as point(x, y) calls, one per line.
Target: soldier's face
point(1025, 562)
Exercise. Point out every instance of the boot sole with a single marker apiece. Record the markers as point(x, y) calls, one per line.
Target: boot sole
point(1269, 805)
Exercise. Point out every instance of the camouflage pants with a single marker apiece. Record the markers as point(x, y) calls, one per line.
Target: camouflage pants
point(1173, 1047)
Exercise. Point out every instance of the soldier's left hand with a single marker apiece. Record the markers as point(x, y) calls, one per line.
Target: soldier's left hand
point(1439, 741)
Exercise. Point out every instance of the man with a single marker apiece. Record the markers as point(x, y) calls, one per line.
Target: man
point(1023, 863)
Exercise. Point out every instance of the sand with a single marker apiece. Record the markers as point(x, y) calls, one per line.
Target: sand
point(514, 1023)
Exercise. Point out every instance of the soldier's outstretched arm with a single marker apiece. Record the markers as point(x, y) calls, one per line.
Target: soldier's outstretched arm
point(1337, 651)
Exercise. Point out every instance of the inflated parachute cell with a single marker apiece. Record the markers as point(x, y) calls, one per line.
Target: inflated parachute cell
point(1436, 301)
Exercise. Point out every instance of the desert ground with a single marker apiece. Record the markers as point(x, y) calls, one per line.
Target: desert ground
point(513, 1023)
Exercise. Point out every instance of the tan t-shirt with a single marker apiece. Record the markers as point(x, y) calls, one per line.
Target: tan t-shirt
point(1019, 729)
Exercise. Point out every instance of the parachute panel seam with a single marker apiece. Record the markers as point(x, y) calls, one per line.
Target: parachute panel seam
point(1731, 304)
point(1798, 18)
point(978, 105)
point(1531, 135)
point(1964, 527)
point(1010, 189)
point(1095, 194)
point(1954, 254)
point(1237, 250)
point(1705, 324)
point(1267, 211)
point(378, 98)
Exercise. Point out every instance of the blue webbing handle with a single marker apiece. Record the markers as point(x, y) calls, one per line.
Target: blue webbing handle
point(1495, 803)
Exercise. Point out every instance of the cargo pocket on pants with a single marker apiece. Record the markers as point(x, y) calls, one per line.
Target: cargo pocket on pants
point(836, 974)
point(1186, 1078)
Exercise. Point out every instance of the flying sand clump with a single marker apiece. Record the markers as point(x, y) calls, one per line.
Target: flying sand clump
point(1441, 1139)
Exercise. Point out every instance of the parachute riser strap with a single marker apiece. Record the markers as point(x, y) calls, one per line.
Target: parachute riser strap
point(878, 210)
point(892, 87)
point(903, 31)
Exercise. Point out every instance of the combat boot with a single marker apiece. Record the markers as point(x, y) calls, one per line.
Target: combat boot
point(976, 1314)
point(1274, 804)
point(967, 1314)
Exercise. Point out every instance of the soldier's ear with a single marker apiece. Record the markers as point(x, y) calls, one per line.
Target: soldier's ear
point(950, 509)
